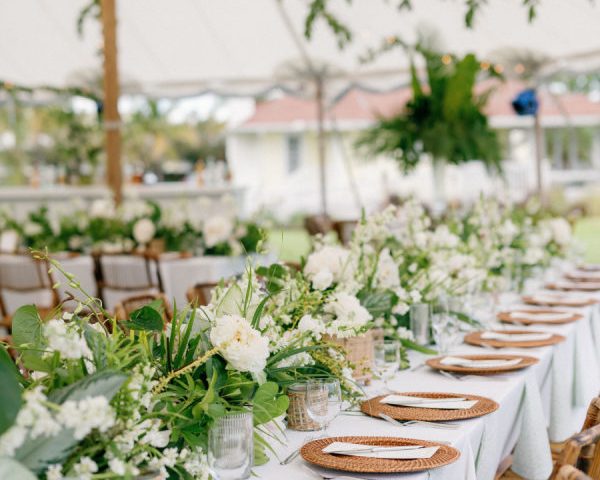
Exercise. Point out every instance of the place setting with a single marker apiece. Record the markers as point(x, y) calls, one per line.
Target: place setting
point(512, 339)
point(486, 364)
point(584, 276)
point(541, 316)
point(575, 285)
point(558, 300)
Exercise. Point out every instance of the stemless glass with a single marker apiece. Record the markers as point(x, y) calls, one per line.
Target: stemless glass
point(231, 447)
point(387, 360)
point(420, 319)
point(323, 401)
point(445, 331)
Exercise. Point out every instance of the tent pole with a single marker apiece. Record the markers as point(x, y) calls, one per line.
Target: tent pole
point(321, 142)
point(112, 121)
point(538, 156)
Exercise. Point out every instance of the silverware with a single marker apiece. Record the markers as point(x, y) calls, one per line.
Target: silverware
point(453, 376)
point(325, 476)
point(407, 423)
point(290, 458)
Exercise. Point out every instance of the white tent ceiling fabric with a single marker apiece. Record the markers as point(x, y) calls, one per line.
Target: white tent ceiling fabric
point(186, 47)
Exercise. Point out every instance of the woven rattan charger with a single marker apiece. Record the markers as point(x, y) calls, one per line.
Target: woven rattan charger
point(531, 300)
point(525, 362)
point(507, 317)
point(313, 452)
point(474, 338)
point(374, 407)
point(576, 287)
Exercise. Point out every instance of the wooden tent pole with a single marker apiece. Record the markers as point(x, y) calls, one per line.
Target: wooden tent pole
point(112, 120)
point(321, 143)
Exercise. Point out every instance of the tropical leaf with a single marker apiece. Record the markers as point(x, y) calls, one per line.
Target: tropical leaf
point(10, 393)
point(146, 318)
point(378, 303)
point(268, 404)
point(232, 301)
point(27, 332)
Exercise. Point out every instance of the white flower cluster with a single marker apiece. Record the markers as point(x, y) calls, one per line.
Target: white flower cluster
point(241, 345)
point(328, 265)
point(66, 339)
point(35, 419)
point(217, 229)
point(348, 315)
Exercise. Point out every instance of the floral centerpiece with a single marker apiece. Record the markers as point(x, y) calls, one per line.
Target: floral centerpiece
point(103, 399)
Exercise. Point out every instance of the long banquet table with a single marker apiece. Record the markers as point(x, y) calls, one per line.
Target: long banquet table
point(546, 401)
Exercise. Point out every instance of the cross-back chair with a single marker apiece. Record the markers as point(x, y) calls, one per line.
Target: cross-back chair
point(128, 305)
point(581, 451)
point(200, 293)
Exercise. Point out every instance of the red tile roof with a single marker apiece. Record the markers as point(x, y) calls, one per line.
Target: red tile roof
point(359, 105)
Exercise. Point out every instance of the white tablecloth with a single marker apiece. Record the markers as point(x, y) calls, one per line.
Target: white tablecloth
point(547, 400)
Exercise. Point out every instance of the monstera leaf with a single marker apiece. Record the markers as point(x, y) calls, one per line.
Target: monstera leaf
point(13, 470)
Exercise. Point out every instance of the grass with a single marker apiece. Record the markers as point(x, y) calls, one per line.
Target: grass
point(289, 244)
point(293, 243)
point(587, 233)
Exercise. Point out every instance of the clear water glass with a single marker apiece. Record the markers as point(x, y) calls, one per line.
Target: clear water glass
point(231, 447)
point(387, 359)
point(323, 401)
point(420, 320)
point(446, 331)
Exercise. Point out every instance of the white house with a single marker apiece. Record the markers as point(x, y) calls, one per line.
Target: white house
point(274, 152)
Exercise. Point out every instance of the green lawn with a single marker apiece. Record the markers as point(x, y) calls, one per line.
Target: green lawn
point(587, 233)
point(289, 244)
point(293, 243)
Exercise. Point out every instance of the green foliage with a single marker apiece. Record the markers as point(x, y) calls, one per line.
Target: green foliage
point(149, 318)
point(378, 302)
point(444, 119)
point(27, 333)
point(13, 470)
point(10, 393)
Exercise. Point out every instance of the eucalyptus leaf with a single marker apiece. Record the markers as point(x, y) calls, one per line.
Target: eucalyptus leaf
point(10, 392)
point(106, 383)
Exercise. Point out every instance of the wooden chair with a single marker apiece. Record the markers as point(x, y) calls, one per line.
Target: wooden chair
point(569, 472)
point(128, 274)
point(344, 230)
point(125, 307)
point(592, 419)
point(316, 224)
point(200, 293)
point(24, 275)
point(581, 451)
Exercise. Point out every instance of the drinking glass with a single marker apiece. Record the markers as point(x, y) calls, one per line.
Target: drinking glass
point(231, 447)
point(420, 318)
point(387, 360)
point(445, 331)
point(323, 401)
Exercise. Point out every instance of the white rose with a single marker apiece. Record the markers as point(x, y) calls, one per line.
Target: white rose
point(322, 280)
point(143, 231)
point(330, 258)
point(241, 345)
point(217, 230)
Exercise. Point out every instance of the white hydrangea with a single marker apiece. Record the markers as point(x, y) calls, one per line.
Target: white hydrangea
point(102, 208)
point(561, 231)
point(328, 264)
point(349, 316)
point(217, 229)
point(241, 345)
point(143, 231)
point(31, 229)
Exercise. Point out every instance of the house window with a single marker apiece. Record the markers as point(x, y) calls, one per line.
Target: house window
point(294, 144)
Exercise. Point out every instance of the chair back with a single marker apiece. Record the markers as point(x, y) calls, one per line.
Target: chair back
point(569, 472)
point(128, 272)
point(21, 273)
point(200, 293)
point(315, 224)
point(576, 453)
point(125, 307)
point(344, 230)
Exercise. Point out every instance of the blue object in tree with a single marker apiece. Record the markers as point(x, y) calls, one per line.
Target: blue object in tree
point(526, 102)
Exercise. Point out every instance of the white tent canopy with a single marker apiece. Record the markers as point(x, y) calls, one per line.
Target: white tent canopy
point(186, 47)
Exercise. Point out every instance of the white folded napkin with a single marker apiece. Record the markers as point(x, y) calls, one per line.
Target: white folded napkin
point(467, 362)
point(541, 316)
point(422, 402)
point(570, 300)
point(578, 285)
point(404, 452)
point(516, 337)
